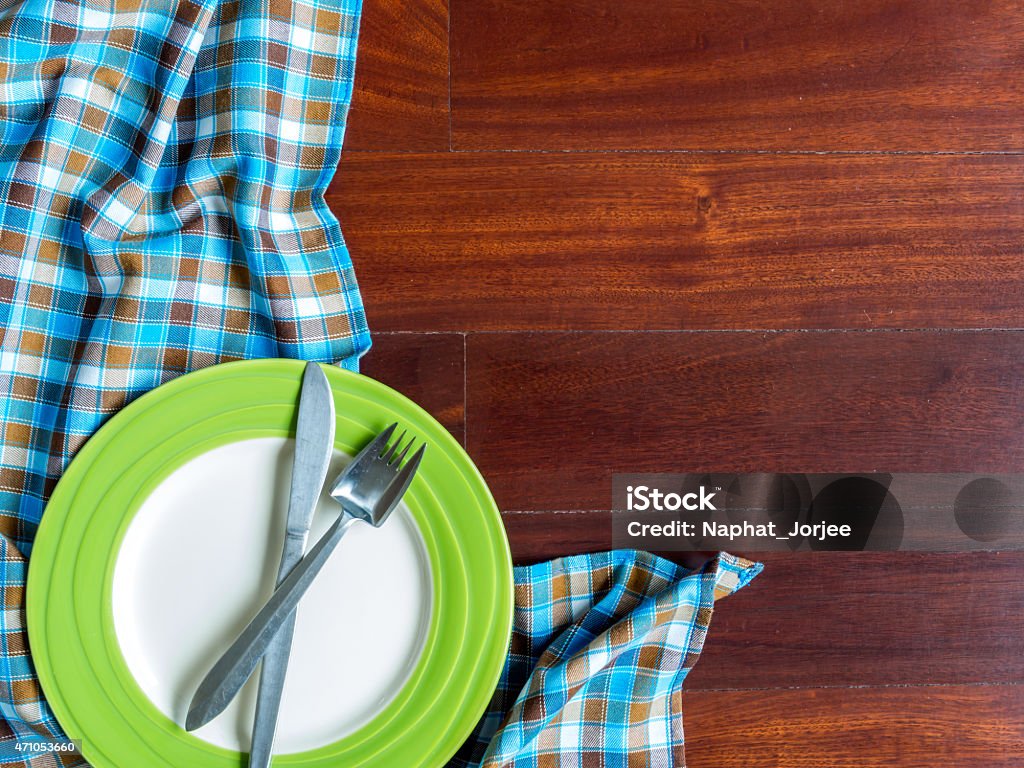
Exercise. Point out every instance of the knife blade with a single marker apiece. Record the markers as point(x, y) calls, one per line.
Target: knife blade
point(314, 445)
point(373, 498)
point(227, 676)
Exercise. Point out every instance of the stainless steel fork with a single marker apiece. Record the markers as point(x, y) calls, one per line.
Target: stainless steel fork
point(368, 490)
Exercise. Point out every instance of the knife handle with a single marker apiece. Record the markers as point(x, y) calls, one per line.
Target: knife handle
point(274, 668)
point(268, 701)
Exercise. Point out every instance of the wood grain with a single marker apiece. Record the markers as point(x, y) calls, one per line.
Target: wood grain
point(925, 727)
point(537, 536)
point(873, 618)
point(708, 75)
point(425, 367)
point(838, 618)
point(400, 100)
point(786, 238)
point(552, 416)
point(502, 241)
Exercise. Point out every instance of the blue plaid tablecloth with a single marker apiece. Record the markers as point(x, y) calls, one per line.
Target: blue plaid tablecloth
point(162, 170)
point(601, 645)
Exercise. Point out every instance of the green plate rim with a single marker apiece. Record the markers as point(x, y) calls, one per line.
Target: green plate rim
point(69, 613)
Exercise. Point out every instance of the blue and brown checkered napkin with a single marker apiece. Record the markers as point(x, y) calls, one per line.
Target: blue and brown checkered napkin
point(26, 721)
point(601, 645)
point(162, 169)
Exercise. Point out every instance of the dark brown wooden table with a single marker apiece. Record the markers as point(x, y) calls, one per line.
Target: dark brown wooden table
point(695, 235)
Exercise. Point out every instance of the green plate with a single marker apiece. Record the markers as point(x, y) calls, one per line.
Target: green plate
point(70, 618)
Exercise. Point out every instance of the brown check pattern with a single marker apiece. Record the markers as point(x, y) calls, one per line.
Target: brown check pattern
point(601, 645)
point(162, 169)
point(24, 724)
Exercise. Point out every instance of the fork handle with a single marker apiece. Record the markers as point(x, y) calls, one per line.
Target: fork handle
point(229, 674)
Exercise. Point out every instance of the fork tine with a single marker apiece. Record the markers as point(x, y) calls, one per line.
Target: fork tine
point(401, 456)
point(372, 449)
point(390, 453)
point(398, 486)
point(380, 441)
point(407, 471)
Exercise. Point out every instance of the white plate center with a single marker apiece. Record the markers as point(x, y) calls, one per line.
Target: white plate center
point(199, 560)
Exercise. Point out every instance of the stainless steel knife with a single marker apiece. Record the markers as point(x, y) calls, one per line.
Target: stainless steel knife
point(368, 489)
point(314, 444)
